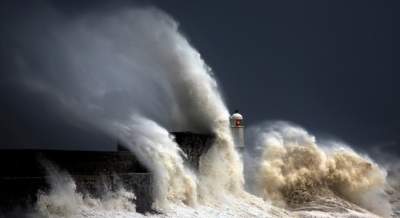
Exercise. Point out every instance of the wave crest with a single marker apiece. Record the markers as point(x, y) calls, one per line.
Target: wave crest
point(294, 170)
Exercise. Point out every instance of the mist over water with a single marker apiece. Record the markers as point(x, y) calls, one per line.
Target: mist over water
point(131, 74)
point(110, 65)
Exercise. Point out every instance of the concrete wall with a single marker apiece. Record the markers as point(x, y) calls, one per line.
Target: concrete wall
point(22, 173)
point(194, 145)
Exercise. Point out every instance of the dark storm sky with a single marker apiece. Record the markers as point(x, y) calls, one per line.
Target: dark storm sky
point(325, 65)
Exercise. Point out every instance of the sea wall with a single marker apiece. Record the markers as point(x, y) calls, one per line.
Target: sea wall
point(23, 173)
point(193, 145)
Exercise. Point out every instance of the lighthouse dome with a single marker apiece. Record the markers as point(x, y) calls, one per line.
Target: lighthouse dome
point(236, 116)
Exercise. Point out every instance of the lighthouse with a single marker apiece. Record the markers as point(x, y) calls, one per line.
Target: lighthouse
point(237, 129)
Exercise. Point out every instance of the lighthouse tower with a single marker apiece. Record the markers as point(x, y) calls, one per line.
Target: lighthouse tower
point(237, 129)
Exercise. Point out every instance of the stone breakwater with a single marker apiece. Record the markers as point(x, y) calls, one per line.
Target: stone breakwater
point(23, 173)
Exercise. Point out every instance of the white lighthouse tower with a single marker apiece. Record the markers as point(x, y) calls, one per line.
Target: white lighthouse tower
point(237, 129)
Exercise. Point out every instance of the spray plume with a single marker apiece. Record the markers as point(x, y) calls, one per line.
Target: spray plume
point(155, 147)
point(114, 71)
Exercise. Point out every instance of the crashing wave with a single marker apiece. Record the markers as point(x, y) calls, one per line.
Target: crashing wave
point(294, 171)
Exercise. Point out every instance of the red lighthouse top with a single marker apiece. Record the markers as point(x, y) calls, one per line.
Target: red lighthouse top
point(236, 120)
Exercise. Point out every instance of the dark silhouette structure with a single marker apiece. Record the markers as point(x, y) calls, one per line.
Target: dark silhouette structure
point(23, 172)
